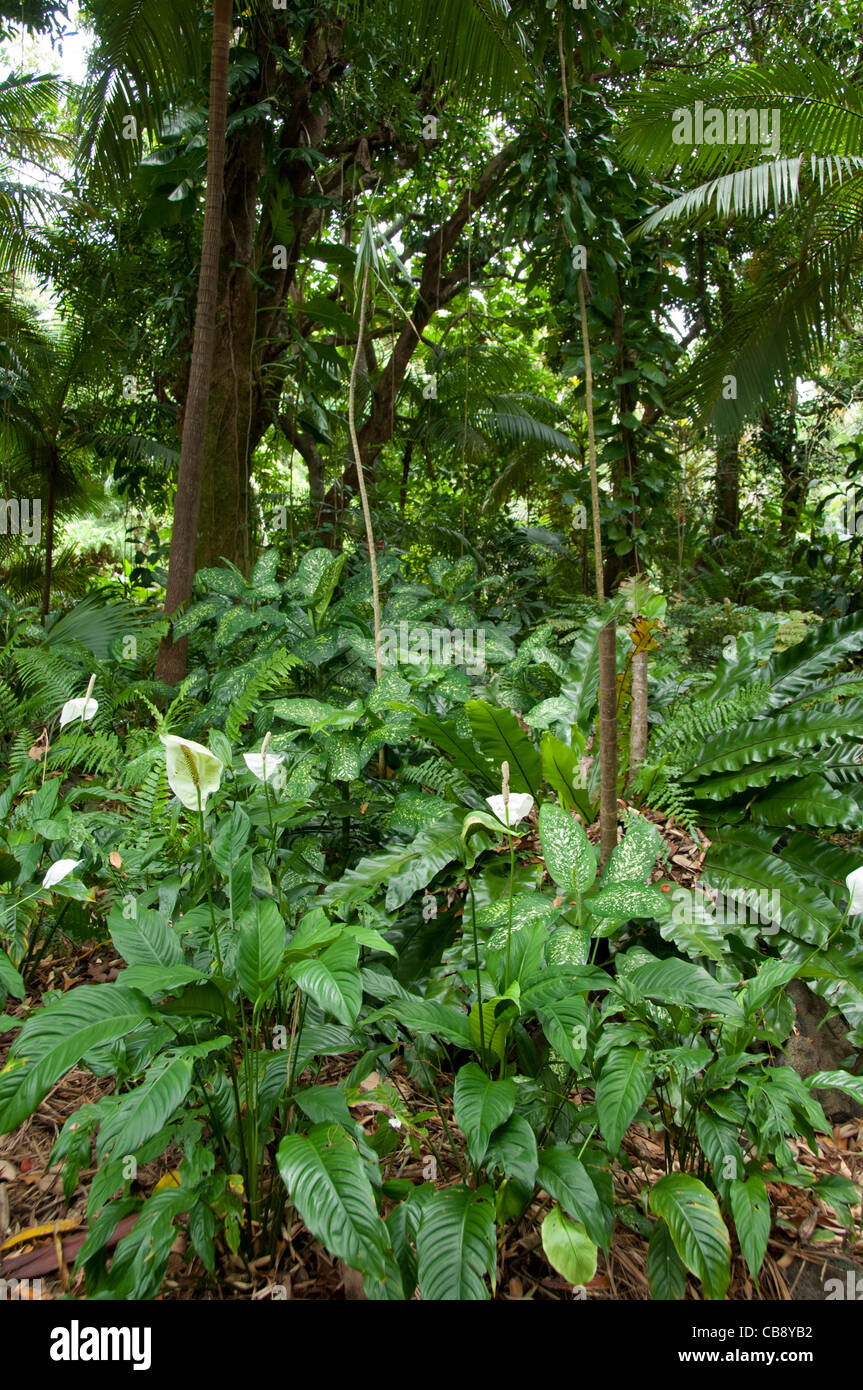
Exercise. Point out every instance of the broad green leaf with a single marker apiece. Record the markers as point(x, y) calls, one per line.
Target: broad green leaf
point(625, 900)
point(700, 1236)
point(565, 1178)
point(502, 739)
point(633, 859)
point(260, 948)
point(57, 1036)
point(750, 1206)
point(565, 1023)
point(673, 981)
point(666, 1272)
point(620, 1091)
point(314, 931)
point(429, 1016)
point(144, 1111)
point(343, 757)
point(569, 856)
point(333, 980)
point(492, 1026)
point(562, 771)
point(328, 1184)
point(839, 1081)
point(146, 939)
point(512, 1148)
point(480, 1105)
point(10, 979)
point(456, 1246)
point(568, 1247)
point(568, 946)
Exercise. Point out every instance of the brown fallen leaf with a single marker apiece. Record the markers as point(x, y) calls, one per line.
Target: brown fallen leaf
point(115, 859)
point(40, 747)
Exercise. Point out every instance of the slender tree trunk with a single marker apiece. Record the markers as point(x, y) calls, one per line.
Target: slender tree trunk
point(171, 664)
point(727, 514)
point(608, 635)
point(49, 538)
point(358, 462)
point(638, 718)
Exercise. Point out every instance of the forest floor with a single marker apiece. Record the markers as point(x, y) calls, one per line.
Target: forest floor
point(40, 1232)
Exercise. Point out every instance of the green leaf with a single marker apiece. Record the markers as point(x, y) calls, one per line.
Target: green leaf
point(10, 979)
point(328, 1184)
point(565, 1178)
point(839, 1081)
point(700, 1236)
point(565, 1023)
point(561, 770)
point(750, 1206)
point(146, 1110)
point(673, 981)
point(760, 740)
point(568, 946)
point(480, 1105)
point(314, 930)
point(343, 757)
point(625, 900)
point(633, 859)
point(512, 1148)
point(498, 1016)
point(260, 948)
point(502, 739)
point(568, 1248)
point(569, 856)
point(405, 868)
point(620, 1091)
point(146, 939)
point(56, 1038)
point(740, 863)
point(666, 1272)
point(333, 980)
point(456, 1246)
point(428, 1016)
point(317, 715)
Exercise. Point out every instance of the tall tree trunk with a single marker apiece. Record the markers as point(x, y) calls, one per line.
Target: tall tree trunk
point(727, 513)
point(608, 635)
point(171, 664)
point(49, 537)
point(638, 717)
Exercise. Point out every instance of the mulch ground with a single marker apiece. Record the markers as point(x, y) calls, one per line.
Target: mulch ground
point(40, 1232)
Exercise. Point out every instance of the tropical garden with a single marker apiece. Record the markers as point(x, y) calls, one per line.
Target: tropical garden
point(431, 650)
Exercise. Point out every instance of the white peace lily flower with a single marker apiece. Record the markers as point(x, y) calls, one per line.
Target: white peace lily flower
point(258, 762)
point(520, 807)
point(60, 870)
point(854, 883)
point(191, 768)
point(77, 709)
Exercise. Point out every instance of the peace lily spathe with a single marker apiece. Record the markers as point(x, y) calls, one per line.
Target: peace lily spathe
point(520, 807)
point(61, 869)
point(264, 765)
point(79, 709)
point(854, 884)
point(191, 768)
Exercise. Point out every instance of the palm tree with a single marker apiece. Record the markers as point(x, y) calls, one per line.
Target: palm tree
point(46, 432)
point(808, 274)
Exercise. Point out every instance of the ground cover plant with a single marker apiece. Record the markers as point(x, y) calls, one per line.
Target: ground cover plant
point(431, 723)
